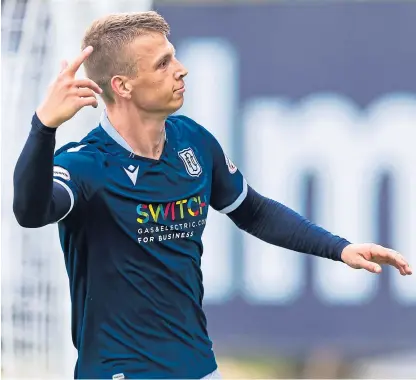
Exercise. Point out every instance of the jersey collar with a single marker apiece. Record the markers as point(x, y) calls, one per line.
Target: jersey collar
point(117, 141)
point(112, 132)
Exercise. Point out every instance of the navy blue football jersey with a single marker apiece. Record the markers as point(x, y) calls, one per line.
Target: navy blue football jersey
point(132, 247)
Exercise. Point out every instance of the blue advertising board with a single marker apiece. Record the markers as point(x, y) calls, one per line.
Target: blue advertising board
point(316, 104)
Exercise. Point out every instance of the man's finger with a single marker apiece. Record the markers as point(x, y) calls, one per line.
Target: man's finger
point(64, 65)
point(404, 265)
point(395, 258)
point(362, 263)
point(88, 83)
point(384, 255)
point(398, 258)
point(90, 101)
point(76, 64)
point(378, 251)
point(85, 93)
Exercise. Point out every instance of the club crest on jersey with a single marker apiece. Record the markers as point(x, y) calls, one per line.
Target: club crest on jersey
point(192, 165)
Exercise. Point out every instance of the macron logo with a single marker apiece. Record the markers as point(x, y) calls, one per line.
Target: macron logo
point(132, 172)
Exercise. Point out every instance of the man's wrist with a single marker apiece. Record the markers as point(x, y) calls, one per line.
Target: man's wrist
point(46, 120)
point(40, 126)
point(343, 243)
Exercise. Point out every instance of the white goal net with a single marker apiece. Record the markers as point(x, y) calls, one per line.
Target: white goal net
point(35, 313)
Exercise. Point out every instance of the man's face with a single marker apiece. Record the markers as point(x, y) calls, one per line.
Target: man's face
point(159, 85)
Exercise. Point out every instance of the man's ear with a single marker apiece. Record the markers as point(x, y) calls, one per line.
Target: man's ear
point(121, 86)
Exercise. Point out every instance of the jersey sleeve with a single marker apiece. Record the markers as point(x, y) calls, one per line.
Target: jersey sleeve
point(229, 187)
point(75, 170)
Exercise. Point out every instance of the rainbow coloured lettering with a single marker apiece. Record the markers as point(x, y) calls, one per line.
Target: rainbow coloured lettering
point(176, 210)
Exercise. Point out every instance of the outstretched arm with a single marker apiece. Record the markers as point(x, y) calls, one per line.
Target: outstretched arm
point(277, 224)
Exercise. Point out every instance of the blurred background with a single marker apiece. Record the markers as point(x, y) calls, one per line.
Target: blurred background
point(315, 101)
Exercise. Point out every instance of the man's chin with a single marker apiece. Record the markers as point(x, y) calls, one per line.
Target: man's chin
point(176, 106)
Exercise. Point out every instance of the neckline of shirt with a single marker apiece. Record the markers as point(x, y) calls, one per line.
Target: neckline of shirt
point(119, 140)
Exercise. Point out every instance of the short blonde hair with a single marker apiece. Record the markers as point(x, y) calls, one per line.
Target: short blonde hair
point(109, 37)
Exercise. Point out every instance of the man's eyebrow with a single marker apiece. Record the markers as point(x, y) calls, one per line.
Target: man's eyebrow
point(166, 55)
point(163, 57)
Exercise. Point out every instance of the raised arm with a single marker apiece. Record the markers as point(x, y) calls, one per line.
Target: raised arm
point(38, 198)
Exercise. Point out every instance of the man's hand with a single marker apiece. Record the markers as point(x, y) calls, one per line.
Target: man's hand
point(372, 256)
point(67, 95)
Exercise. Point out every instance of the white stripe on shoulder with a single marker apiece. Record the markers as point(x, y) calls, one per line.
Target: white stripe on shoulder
point(75, 149)
point(71, 196)
point(237, 202)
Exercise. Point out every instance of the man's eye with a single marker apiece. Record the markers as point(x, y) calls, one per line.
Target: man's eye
point(164, 63)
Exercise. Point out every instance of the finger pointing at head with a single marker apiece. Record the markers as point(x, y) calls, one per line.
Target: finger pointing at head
point(77, 62)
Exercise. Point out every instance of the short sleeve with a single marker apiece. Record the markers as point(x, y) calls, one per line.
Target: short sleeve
point(74, 170)
point(229, 187)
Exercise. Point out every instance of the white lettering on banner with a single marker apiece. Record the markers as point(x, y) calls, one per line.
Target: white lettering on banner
point(271, 274)
point(346, 149)
point(210, 99)
point(394, 119)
